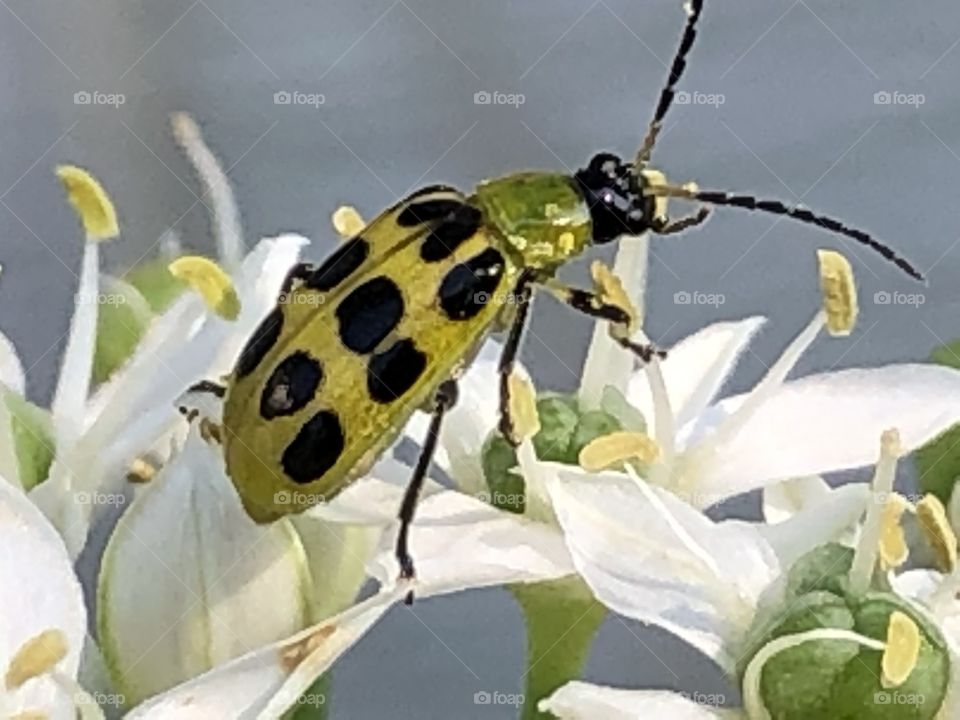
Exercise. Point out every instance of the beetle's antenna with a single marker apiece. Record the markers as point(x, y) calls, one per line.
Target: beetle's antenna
point(693, 8)
point(776, 207)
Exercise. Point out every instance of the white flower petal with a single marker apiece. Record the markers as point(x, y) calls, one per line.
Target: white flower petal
point(827, 422)
point(337, 557)
point(832, 519)
point(263, 683)
point(459, 542)
point(648, 555)
point(76, 367)
point(696, 368)
point(11, 369)
point(226, 216)
point(189, 581)
point(185, 346)
point(785, 499)
point(38, 592)
point(584, 701)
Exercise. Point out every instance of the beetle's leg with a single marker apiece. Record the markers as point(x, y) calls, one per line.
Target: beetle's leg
point(670, 227)
point(522, 294)
point(445, 399)
point(596, 305)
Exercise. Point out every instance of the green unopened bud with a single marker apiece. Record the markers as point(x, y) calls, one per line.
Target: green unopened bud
point(875, 655)
point(33, 438)
point(564, 431)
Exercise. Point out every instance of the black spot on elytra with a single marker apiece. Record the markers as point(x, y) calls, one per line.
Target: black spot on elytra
point(315, 449)
point(369, 313)
point(444, 240)
point(340, 265)
point(430, 190)
point(425, 211)
point(393, 372)
point(259, 344)
point(291, 386)
point(467, 288)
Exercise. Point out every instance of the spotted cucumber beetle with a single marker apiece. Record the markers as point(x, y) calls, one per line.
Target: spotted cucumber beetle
point(385, 325)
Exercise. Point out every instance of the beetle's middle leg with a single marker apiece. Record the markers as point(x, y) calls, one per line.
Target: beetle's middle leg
point(445, 398)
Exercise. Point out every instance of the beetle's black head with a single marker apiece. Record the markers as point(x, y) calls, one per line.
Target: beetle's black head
point(614, 193)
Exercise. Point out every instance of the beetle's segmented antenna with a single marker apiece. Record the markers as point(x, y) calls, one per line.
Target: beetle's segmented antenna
point(694, 8)
point(776, 207)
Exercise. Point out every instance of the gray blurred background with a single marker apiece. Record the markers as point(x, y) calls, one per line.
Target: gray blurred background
point(799, 118)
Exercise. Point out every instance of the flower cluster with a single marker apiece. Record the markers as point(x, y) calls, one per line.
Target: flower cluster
point(199, 612)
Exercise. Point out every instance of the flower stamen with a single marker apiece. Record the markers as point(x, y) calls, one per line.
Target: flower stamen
point(901, 652)
point(869, 546)
point(613, 450)
point(938, 533)
point(91, 203)
point(839, 292)
point(347, 221)
point(36, 656)
point(211, 282)
point(525, 421)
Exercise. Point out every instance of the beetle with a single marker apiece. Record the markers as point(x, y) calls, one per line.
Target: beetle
point(384, 326)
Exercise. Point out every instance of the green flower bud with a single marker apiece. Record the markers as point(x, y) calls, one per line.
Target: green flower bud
point(564, 431)
point(32, 437)
point(841, 678)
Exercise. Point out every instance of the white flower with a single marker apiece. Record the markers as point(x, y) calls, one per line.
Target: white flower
point(44, 620)
point(648, 555)
point(188, 581)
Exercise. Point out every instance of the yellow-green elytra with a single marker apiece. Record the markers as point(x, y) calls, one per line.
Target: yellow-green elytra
point(383, 327)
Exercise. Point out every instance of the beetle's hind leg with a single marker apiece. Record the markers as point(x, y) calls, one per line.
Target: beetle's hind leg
point(445, 398)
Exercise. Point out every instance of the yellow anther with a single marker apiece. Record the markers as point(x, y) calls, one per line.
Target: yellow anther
point(839, 292)
point(902, 648)
point(612, 292)
point(347, 221)
point(616, 448)
point(211, 282)
point(936, 529)
point(90, 201)
point(893, 542)
point(141, 470)
point(524, 418)
point(36, 656)
point(30, 715)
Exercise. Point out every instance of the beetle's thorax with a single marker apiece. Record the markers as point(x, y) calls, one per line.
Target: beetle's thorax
point(541, 217)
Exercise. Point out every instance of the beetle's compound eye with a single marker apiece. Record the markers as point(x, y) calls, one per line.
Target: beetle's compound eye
point(613, 193)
